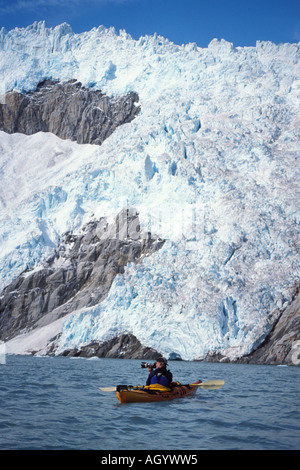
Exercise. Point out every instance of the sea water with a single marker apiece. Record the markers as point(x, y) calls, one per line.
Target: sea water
point(52, 403)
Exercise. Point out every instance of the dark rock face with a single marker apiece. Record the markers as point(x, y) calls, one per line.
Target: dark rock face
point(79, 275)
point(282, 345)
point(68, 110)
point(125, 346)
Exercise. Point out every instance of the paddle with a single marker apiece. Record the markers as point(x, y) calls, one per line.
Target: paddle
point(211, 384)
point(208, 385)
point(114, 389)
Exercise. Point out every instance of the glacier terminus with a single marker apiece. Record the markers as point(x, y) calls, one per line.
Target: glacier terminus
point(204, 161)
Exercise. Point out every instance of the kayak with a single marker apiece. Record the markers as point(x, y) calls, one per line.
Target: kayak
point(154, 393)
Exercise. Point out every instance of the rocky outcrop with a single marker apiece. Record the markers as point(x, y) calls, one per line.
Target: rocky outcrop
point(281, 346)
point(79, 274)
point(125, 346)
point(68, 110)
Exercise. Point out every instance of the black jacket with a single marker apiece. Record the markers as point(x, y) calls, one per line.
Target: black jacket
point(159, 376)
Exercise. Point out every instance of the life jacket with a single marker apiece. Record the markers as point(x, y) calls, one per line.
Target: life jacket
point(159, 378)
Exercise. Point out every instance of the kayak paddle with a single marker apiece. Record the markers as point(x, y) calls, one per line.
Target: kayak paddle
point(208, 385)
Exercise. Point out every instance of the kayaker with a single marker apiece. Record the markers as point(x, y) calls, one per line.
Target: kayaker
point(160, 375)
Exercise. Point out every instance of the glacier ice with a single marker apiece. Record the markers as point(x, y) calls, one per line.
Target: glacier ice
point(211, 163)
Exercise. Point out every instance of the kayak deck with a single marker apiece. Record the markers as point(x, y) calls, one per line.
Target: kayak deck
point(154, 393)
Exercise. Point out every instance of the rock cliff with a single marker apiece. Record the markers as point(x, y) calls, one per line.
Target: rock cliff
point(68, 110)
point(281, 346)
point(78, 275)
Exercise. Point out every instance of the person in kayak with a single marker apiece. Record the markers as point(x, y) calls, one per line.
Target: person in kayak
point(160, 375)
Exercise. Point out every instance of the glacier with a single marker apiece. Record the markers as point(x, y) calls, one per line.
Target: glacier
point(211, 163)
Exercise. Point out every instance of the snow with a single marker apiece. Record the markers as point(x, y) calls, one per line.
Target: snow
point(211, 163)
point(35, 341)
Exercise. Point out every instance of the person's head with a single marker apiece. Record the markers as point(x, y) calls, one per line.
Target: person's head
point(161, 362)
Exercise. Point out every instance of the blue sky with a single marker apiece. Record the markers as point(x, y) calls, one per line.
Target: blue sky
point(239, 21)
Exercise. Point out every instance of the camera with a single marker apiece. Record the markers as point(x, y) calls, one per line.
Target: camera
point(146, 365)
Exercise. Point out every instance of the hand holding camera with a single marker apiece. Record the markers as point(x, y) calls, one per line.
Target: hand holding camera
point(145, 365)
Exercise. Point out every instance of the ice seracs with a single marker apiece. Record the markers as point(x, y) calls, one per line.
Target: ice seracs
point(211, 163)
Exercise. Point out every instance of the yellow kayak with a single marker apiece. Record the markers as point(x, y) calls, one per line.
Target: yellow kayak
point(153, 393)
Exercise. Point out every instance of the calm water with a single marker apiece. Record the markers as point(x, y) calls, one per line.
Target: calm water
point(55, 403)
